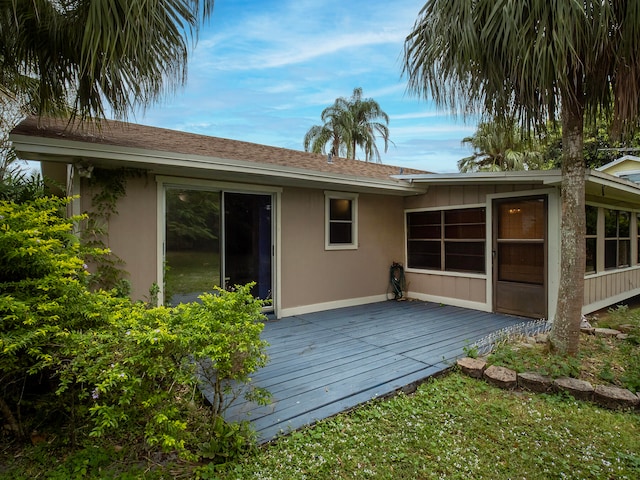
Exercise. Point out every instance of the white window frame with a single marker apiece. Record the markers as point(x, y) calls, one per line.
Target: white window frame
point(353, 197)
point(276, 192)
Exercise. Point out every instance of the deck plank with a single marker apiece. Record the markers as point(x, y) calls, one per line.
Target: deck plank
point(328, 362)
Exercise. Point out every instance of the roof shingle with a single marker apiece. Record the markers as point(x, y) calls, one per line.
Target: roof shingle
point(114, 133)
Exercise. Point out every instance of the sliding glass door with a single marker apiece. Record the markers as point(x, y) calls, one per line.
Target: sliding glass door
point(248, 241)
point(216, 238)
point(192, 244)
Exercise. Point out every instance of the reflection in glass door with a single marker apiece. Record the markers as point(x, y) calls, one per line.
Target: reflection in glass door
point(216, 239)
point(248, 241)
point(192, 244)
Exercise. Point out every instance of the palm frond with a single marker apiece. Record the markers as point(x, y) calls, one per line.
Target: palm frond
point(97, 55)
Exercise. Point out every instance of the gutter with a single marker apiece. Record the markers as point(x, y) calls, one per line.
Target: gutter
point(69, 151)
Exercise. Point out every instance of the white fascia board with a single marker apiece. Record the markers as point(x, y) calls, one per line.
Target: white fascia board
point(618, 161)
point(40, 148)
point(547, 177)
point(611, 181)
point(625, 172)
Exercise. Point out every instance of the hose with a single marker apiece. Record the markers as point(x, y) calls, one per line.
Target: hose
point(396, 280)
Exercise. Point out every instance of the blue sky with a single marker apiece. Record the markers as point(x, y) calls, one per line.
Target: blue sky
point(263, 71)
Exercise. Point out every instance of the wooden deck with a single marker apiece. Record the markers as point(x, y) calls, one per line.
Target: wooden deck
point(328, 362)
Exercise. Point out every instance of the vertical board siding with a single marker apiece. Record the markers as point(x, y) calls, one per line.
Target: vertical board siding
point(612, 285)
point(460, 288)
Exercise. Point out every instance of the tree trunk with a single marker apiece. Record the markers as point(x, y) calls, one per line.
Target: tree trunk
point(565, 333)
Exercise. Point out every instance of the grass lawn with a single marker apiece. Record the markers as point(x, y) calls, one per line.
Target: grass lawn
point(192, 272)
point(451, 427)
point(457, 427)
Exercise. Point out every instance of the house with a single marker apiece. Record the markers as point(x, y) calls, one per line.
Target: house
point(317, 232)
point(627, 167)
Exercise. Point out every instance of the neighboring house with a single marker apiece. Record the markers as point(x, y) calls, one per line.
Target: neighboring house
point(627, 167)
point(317, 233)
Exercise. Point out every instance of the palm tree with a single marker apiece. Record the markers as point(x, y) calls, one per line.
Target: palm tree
point(499, 146)
point(95, 55)
point(347, 125)
point(365, 113)
point(334, 131)
point(539, 60)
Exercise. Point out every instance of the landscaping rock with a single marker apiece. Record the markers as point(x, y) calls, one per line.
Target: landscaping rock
point(501, 377)
point(626, 328)
point(535, 382)
point(614, 397)
point(542, 338)
point(474, 367)
point(584, 323)
point(606, 332)
point(588, 330)
point(579, 389)
point(622, 336)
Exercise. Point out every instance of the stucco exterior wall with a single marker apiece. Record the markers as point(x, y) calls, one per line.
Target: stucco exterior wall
point(132, 231)
point(313, 277)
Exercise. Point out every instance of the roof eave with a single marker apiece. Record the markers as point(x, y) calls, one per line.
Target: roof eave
point(612, 181)
point(69, 151)
point(547, 177)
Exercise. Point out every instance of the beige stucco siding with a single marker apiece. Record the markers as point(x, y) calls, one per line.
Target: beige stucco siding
point(132, 232)
point(312, 275)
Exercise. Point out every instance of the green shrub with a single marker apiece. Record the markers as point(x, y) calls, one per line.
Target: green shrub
point(535, 359)
point(20, 186)
point(42, 298)
point(83, 361)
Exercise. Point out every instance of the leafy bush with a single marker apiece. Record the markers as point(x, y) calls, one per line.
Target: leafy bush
point(42, 299)
point(20, 186)
point(94, 362)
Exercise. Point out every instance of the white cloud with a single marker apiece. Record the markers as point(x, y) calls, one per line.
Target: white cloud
point(264, 70)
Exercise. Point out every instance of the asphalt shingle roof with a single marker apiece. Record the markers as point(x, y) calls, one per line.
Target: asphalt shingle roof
point(148, 138)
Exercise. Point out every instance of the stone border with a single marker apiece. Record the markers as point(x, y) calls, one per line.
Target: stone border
point(604, 396)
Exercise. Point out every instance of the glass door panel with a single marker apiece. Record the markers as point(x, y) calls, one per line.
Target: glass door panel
point(520, 256)
point(248, 243)
point(192, 244)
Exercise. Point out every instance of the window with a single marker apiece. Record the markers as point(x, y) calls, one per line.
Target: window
point(341, 221)
point(617, 240)
point(448, 240)
point(591, 238)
